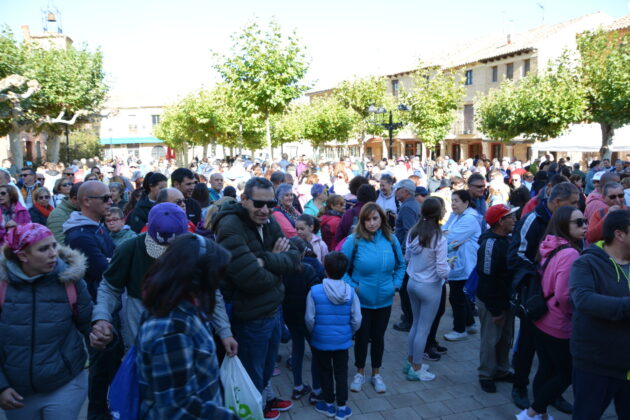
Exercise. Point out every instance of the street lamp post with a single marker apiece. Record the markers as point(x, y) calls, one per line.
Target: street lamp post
point(391, 125)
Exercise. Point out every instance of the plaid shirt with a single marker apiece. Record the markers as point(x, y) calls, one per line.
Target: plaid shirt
point(177, 362)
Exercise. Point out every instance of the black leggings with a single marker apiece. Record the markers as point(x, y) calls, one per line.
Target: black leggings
point(372, 331)
point(554, 369)
point(431, 339)
point(462, 307)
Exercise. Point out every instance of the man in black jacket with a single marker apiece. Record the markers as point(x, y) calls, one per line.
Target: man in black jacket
point(526, 239)
point(493, 298)
point(600, 341)
point(184, 180)
point(261, 255)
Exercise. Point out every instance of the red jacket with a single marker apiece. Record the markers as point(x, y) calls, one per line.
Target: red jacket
point(595, 231)
point(329, 225)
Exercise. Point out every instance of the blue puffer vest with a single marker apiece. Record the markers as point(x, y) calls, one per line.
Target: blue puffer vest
point(332, 330)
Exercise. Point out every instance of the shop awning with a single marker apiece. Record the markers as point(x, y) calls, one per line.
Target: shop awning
point(128, 140)
point(585, 138)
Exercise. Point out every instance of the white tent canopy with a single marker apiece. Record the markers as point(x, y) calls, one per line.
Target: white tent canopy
point(585, 138)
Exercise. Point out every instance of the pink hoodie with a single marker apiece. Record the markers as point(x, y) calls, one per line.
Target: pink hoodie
point(557, 322)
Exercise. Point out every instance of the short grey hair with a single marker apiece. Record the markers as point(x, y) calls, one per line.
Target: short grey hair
point(407, 184)
point(282, 190)
point(611, 186)
point(563, 191)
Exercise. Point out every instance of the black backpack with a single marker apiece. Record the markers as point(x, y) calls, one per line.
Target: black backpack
point(528, 299)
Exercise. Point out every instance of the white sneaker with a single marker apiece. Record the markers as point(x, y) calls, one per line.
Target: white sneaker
point(456, 336)
point(357, 383)
point(472, 329)
point(378, 384)
point(424, 374)
point(524, 416)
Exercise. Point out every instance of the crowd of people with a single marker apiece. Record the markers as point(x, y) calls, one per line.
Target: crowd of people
point(232, 257)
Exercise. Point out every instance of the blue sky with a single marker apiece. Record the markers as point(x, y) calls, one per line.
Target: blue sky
point(161, 49)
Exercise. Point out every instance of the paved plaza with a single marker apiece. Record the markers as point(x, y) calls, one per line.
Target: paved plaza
point(453, 395)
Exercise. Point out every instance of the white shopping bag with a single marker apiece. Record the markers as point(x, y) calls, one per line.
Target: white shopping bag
point(241, 396)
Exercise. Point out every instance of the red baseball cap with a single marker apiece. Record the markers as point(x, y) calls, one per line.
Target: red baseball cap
point(497, 212)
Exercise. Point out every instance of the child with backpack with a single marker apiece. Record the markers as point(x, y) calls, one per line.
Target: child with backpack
point(333, 315)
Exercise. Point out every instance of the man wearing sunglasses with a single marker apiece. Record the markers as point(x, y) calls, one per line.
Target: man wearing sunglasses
point(27, 184)
point(260, 256)
point(600, 340)
point(85, 232)
point(613, 196)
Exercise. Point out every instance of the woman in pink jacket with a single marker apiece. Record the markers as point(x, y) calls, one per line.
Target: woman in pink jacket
point(560, 247)
point(13, 213)
point(284, 213)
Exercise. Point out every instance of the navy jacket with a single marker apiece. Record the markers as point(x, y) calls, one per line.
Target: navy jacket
point(526, 238)
point(93, 240)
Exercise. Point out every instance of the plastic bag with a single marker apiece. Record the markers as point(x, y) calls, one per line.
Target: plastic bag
point(241, 396)
point(124, 392)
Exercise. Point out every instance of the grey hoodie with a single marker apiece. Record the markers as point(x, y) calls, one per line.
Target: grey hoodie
point(77, 219)
point(338, 292)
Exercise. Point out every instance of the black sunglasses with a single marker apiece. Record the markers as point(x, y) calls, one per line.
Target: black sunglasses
point(23, 175)
point(69, 174)
point(259, 204)
point(3, 193)
point(45, 197)
point(180, 201)
point(66, 184)
point(580, 222)
point(106, 198)
point(612, 197)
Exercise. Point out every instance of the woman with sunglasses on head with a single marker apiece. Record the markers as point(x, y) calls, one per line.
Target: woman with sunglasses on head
point(41, 206)
point(13, 213)
point(176, 352)
point(61, 190)
point(560, 247)
point(45, 320)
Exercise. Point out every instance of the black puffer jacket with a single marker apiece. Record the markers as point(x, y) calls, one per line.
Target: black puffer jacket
point(255, 292)
point(495, 276)
point(41, 346)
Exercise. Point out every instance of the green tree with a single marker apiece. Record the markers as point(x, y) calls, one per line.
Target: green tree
point(265, 72)
point(327, 120)
point(433, 101)
point(538, 107)
point(358, 95)
point(605, 74)
point(72, 88)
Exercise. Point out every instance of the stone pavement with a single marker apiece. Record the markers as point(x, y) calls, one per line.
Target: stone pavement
point(453, 395)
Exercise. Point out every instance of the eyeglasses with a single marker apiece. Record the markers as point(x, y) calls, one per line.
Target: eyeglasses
point(69, 174)
point(259, 204)
point(45, 197)
point(66, 184)
point(580, 222)
point(106, 198)
point(612, 197)
point(180, 201)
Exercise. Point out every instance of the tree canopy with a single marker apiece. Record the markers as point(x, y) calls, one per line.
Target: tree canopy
point(433, 100)
point(538, 107)
point(264, 72)
point(71, 86)
point(605, 75)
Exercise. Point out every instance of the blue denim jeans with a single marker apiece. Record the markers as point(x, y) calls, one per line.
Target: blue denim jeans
point(298, 336)
point(258, 342)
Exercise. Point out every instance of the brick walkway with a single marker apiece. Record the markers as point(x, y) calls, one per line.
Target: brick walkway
point(453, 395)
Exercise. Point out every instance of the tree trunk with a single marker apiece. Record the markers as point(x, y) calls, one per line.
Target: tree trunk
point(268, 135)
point(53, 145)
point(214, 148)
point(205, 151)
point(16, 147)
point(607, 135)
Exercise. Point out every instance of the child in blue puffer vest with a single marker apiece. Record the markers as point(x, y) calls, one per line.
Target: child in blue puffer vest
point(333, 315)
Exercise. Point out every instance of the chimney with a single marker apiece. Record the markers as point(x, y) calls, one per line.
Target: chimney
point(509, 39)
point(26, 33)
